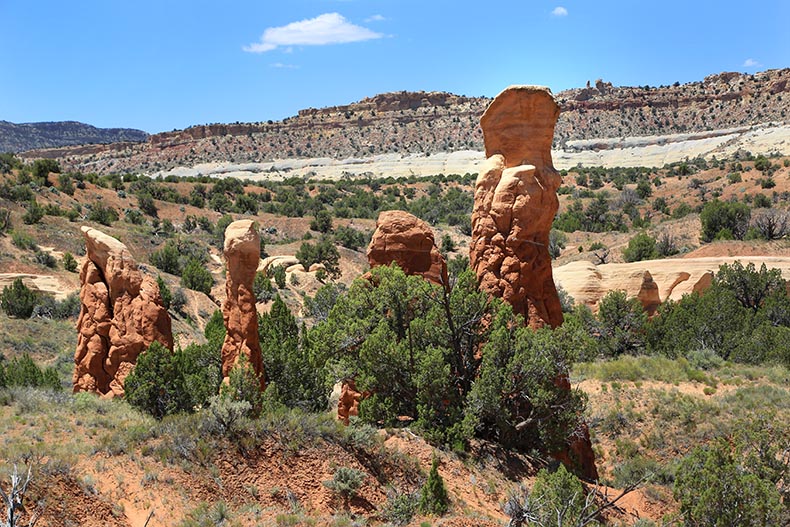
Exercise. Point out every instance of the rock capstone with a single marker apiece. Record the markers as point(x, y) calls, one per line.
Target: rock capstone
point(515, 203)
point(242, 254)
point(122, 314)
point(404, 239)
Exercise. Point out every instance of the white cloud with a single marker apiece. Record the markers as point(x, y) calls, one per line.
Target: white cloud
point(281, 65)
point(329, 28)
point(375, 18)
point(750, 63)
point(559, 11)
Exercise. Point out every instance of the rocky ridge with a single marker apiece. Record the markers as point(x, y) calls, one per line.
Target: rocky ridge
point(27, 136)
point(428, 123)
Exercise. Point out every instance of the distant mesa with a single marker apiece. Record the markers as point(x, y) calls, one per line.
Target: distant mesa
point(28, 136)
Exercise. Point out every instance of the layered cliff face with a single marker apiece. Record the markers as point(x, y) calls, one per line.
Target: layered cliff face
point(242, 254)
point(434, 122)
point(515, 204)
point(404, 239)
point(122, 314)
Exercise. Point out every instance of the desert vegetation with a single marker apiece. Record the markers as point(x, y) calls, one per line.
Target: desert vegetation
point(675, 403)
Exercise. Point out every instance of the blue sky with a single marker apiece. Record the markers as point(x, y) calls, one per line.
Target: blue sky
point(164, 64)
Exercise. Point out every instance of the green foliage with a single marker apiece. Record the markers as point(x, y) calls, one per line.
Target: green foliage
point(622, 322)
point(262, 288)
point(23, 241)
point(558, 494)
point(164, 291)
point(105, 215)
point(319, 306)
point(289, 362)
point(69, 262)
point(196, 277)
point(34, 212)
point(244, 384)
point(643, 189)
point(640, 247)
point(66, 184)
point(323, 252)
point(399, 508)
point(219, 230)
point(557, 241)
point(750, 286)
point(145, 202)
point(349, 237)
point(42, 167)
point(167, 259)
point(17, 300)
point(719, 217)
point(8, 162)
point(322, 221)
point(23, 371)
point(155, 385)
point(433, 495)
point(164, 382)
point(715, 488)
point(345, 482)
point(278, 273)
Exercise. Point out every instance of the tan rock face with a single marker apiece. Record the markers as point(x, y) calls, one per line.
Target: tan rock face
point(122, 314)
point(242, 254)
point(653, 281)
point(403, 238)
point(515, 204)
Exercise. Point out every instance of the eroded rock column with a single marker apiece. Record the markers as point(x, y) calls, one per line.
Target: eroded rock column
point(242, 252)
point(405, 239)
point(515, 204)
point(122, 314)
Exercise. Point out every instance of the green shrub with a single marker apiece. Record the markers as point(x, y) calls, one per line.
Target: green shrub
point(196, 277)
point(724, 219)
point(345, 482)
point(715, 489)
point(262, 288)
point(433, 495)
point(42, 167)
point(34, 212)
point(244, 384)
point(69, 262)
point(17, 300)
point(641, 247)
point(164, 291)
point(23, 371)
point(155, 385)
point(323, 252)
point(557, 498)
point(105, 215)
point(400, 508)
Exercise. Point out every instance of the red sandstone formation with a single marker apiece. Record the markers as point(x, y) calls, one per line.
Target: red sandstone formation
point(242, 253)
point(122, 314)
point(515, 204)
point(348, 405)
point(408, 241)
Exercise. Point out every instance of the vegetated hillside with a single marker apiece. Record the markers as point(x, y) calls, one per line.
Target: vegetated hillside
point(28, 136)
point(649, 415)
point(428, 123)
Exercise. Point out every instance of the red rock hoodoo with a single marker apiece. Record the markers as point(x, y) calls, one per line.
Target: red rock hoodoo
point(242, 253)
point(403, 238)
point(515, 204)
point(122, 314)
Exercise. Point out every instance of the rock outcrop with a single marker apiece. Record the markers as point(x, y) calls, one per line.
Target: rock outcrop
point(403, 238)
point(122, 314)
point(652, 281)
point(515, 204)
point(242, 254)
point(348, 404)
